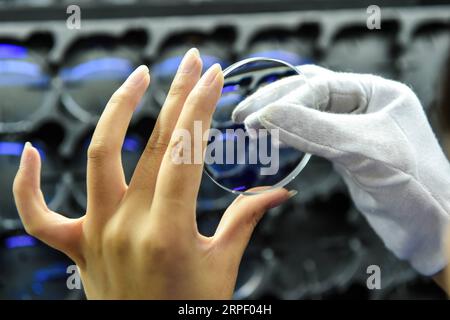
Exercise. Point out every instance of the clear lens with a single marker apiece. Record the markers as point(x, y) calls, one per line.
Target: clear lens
point(238, 159)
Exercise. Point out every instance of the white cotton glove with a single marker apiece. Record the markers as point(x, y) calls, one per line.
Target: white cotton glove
point(378, 137)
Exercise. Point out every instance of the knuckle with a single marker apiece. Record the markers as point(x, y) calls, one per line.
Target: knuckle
point(156, 248)
point(121, 97)
point(158, 143)
point(98, 150)
point(178, 88)
point(116, 242)
point(159, 147)
point(164, 249)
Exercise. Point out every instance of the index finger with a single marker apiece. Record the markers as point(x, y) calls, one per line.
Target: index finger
point(177, 181)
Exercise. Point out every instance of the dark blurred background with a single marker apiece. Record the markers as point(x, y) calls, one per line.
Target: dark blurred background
point(55, 81)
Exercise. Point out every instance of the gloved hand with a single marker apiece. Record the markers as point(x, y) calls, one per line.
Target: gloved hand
point(378, 137)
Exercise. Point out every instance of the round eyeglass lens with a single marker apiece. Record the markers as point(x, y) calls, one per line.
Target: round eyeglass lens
point(250, 161)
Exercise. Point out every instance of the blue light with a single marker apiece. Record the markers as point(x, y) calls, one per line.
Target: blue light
point(21, 73)
point(15, 81)
point(229, 100)
point(97, 69)
point(169, 66)
point(20, 67)
point(20, 241)
point(11, 148)
point(37, 288)
point(208, 61)
point(230, 88)
point(227, 136)
point(131, 144)
point(8, 148)
point(271, 78)
point(55, 271)
point(12, 51)
point(240, 188)
point(289, 57)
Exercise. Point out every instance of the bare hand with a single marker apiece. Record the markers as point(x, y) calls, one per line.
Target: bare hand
point(140, 240)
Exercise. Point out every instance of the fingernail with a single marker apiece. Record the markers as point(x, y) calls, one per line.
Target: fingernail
point(24, 158)
point(278, 202)
point(189, 60)
point(292, 193)
point(210, 75)
point(137, 76)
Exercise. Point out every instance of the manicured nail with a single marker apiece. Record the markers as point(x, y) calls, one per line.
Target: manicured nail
point(137, 76)
point(189, 60)
point(292, 193)
point(278, 202)
point(209, 76)
point(24, 158)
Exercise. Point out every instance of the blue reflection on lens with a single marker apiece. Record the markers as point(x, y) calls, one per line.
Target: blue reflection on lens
point(254, 158)
point(271, 78)
point(12, 51)
point(226, 169)
point(230, 88)
point(242, 173)
point(225, 107)
point(102, 68)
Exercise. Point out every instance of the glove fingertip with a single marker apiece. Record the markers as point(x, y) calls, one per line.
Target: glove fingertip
point(238, 114)
point(252, 125)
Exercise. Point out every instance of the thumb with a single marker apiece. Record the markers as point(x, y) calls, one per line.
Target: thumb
point(242, 216)
point(39, 221)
